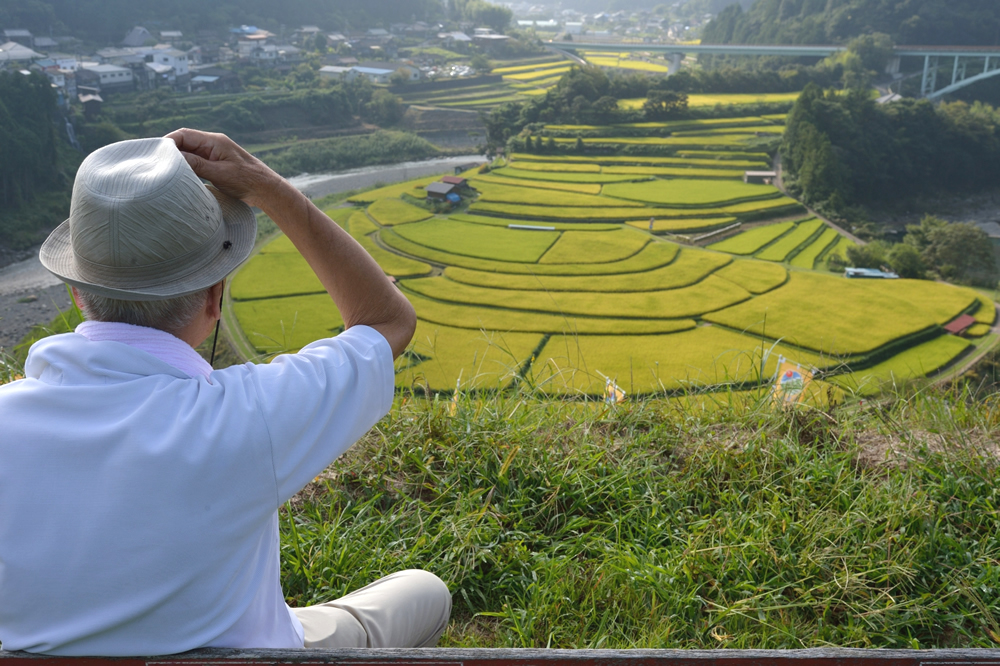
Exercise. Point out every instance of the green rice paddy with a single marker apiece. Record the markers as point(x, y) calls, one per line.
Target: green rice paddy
point(388, 212)
point(552, 276)
point(690, 192)
point(724, 99)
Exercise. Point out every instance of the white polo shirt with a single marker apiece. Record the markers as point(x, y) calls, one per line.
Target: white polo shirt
point(138, 504)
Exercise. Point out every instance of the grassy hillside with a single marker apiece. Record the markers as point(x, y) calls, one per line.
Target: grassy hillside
point(715, 522)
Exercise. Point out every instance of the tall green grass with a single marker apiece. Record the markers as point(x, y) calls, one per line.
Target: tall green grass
point(710, 523)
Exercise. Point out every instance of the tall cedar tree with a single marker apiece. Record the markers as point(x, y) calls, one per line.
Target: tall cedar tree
point(27, 137)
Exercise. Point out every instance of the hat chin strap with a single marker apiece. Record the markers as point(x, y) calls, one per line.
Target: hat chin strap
point(215, 339)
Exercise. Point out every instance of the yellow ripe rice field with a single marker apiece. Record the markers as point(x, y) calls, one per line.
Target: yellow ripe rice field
point(475, 317)
point(781, 248)
point(918, 361)
point(687, 269)
point(690, 192)
point(751, 241)
point(710, 294)
point(581, 188)
point(443, 357)
point(389, 212)
point(497, 193)
point(599, 248)
point(734, 99)
point(693, 359)
point(870, 314)
point(481, 241)
point(547, 273)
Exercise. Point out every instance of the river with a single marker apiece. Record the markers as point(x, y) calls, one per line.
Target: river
point(316, 185)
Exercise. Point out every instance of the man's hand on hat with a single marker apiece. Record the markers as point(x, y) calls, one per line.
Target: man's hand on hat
point(221, 161)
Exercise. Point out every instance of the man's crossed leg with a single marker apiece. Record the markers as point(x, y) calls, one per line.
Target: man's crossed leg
point(405, 609)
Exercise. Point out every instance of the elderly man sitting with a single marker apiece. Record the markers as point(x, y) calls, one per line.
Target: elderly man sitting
point(139, 489)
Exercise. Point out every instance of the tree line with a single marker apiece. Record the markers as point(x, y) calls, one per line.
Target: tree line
point(913, 22)
point(842, 148)
point(843, 151)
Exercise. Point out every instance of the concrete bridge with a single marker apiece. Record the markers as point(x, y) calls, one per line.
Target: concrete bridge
point(968, 63)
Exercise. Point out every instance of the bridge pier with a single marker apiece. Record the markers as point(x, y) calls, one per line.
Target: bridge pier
point(929, 80)
point(675, 63)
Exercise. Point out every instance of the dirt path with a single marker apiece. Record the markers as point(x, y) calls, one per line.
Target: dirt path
point(29, 295)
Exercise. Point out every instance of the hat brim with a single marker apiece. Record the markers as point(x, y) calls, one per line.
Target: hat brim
point(56, 255)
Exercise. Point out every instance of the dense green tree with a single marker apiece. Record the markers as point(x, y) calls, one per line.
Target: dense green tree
point(962, 252)
point(664, 104)
point(846, 147)
point(906, 261)
point(384, 108)
point(965, 22)
point(481, 63)
point(27, 137)
point(873, 255)
point(919, 235)
point(481, 13)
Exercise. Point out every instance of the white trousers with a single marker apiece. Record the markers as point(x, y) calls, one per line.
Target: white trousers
point(405, 609)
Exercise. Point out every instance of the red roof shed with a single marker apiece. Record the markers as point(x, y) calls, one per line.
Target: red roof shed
point(454, 180)
point(960, 325)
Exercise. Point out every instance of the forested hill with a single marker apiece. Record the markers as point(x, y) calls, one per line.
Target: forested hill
point(924, 22)
point(109, 20)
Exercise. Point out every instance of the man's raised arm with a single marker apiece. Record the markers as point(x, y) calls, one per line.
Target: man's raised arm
point(359, 288)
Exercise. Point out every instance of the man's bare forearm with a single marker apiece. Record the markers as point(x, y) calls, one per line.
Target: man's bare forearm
point(362, 292)
point(359, 288)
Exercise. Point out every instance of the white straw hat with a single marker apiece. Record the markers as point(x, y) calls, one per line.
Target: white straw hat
point(143, 227)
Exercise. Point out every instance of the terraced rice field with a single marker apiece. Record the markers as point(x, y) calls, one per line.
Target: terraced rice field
point(626, 61)
point(724, 99)
point(804, 244)
point(520, 82)
point(549, 275)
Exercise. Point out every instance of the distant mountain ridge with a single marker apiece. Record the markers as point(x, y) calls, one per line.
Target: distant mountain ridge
point(916, 22)
point(109, 20)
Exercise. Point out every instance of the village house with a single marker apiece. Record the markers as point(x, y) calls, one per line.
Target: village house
point(138, 36)
point(114, 55)
point(305, 35)
point(333, 73)
point(759, 177)
point(489, 41)
point(453, 40)
point(22, 37)
point(45, 43)
point(209, 78)
point(106, 78)
point(439, 190)
point(17, 54)
point(412, 72)
point(335, 40)
point(373, 74)
point(174, 58)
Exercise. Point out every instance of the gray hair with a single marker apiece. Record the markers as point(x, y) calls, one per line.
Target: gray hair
point(170, 315)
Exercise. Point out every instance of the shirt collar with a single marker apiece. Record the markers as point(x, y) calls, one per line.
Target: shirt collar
point(170, 349)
